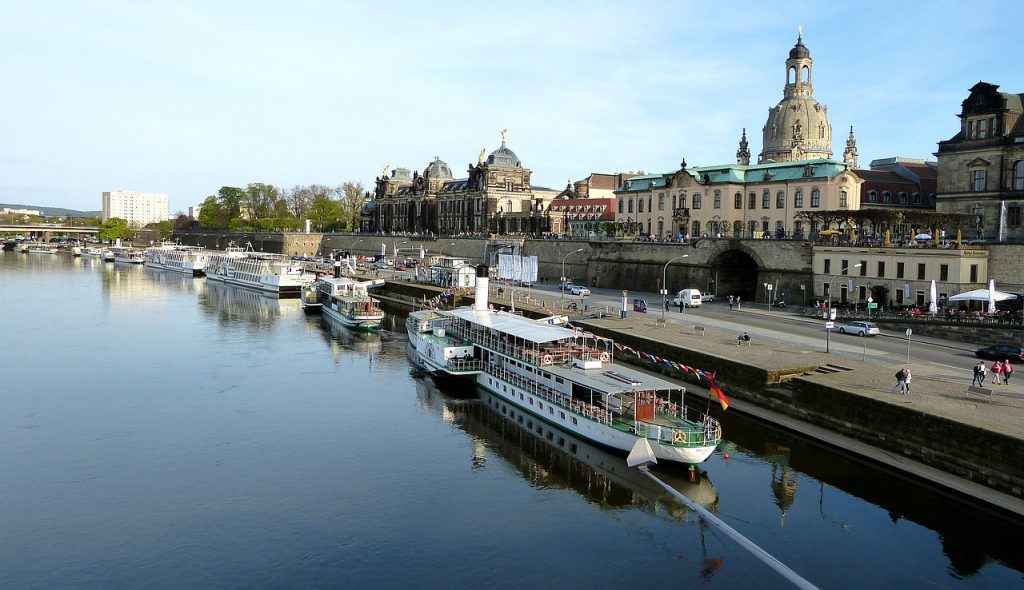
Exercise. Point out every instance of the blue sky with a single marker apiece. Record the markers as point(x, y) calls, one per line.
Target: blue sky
point(184, 97)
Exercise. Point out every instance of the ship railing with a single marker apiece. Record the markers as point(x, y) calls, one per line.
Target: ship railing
point(457, 364)
point(558, 398)
point(705, 433)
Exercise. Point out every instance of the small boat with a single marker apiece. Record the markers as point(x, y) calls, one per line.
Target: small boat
point(107, 255)
point(563, 376)
point(347, 301)
point(309, 295)
point(76, 250)
point(90, 252)
point(41, 248)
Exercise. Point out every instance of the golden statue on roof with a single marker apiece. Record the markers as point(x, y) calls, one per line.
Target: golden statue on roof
point(385, 173)
point(480, 158)
point(503, 132)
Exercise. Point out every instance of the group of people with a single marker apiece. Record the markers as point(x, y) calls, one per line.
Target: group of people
point(903, 377)
point(1001, 373)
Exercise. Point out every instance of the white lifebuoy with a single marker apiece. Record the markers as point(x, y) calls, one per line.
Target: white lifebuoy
point(547, 359)
point(679, 437)
point(605, 357)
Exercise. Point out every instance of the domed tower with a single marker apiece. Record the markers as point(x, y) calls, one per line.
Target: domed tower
point(797, 128)
point(436, 174)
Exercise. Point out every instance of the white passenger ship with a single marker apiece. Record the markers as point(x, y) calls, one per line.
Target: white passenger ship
point(347, 301)
point(556, 374)
point(188, 260)
point(271, 273)
point(128, 255)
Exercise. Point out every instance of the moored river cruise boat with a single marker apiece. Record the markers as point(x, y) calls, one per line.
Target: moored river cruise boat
point(188, 260)
point(128, 255)
point(270, 273)
point(559, 375)
point(348, 302)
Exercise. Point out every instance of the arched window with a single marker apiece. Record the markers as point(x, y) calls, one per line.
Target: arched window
point(682, 201)
point(842, 200)
point(1018, 176)
point(780, 200)
point(903, 198)
point(872, 197)
point(737, 201)
point(798, 199)
point(509, 206)
point(620, 205)
point(917, 198)
point(764, 224)
point(791, 76)
point(886, 197)
point(661, 226)
point(718, 199)
point(815, 198)
point(806, 74)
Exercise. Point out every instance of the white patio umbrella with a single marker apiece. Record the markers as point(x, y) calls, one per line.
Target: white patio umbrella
point(923, 237)
point(933, 307)
point(982, 295)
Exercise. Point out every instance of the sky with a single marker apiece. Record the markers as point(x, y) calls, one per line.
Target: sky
point(184, 97)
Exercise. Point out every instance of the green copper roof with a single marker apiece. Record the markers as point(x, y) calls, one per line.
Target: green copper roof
point(739, 174)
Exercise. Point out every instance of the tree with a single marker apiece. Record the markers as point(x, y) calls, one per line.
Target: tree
point(260, 199)
point(299, 200)
point(351, 195)
point(325, 212)
point(115, 228)
point(212, 214)
point(231, 199)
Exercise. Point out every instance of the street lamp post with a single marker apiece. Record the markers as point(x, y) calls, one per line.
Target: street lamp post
point(829, 317)
point(561, 287)
point(664, 286)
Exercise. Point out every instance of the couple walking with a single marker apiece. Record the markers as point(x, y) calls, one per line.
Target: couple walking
point(1001, 373)
point(902, 381)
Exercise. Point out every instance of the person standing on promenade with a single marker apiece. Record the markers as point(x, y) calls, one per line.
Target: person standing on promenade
point(979, 374)
point(1007, 371)
point(906, 381)
point(997, 371)
point(730, 303)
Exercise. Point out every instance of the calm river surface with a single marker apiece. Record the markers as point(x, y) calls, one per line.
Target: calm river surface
point(158, 431)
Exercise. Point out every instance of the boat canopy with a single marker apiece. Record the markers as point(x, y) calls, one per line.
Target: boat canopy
point(514, 325)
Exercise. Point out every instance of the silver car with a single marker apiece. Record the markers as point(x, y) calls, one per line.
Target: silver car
point(580, 290)
point(859, 328)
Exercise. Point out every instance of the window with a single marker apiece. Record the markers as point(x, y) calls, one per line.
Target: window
point(982, 129)
point(828, 265)
point(661, 201)
point(844, 267)
point(1018, 176)
point(718, 199)
point(696, 201)
point(863, 268)
point(978, 183)
point(766, 200)
point(903, 198)
point(916, 198)
point(920, 271)
point(815, 198)
point(674, 202)
point(943, 272)
point(842, 199)
point(780, 200)
point(640, 206)
point(650, 203)
point(974, 273)
point(764, 224)
point(1013, 215)
point(886, 197)
point(696, 228)
point(752, 201)
point(872, 197)
point(881, 270)
point(737, 201)
point(798, 199)
point(620, 205)
point(899, 270)
point(631, 205)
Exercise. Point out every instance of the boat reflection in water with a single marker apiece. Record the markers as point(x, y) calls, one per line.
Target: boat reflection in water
point(172, 279)
point(548, 457)
point(342, 340)
point(237, 303)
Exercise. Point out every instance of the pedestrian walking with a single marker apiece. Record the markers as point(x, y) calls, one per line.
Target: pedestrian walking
point(680, 305)
point(737, 302)
point(730, 303)
point(906, 381)
point(1007, 372)
point(979, 374)
point(901, 381)
point(997, 372)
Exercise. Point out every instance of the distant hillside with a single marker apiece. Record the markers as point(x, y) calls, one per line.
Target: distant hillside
point(53, 211)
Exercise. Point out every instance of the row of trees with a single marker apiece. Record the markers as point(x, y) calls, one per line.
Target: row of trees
point(265, 207)
point(879, 220)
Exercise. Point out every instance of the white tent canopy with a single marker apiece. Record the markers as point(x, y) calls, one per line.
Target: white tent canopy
point(982, 295)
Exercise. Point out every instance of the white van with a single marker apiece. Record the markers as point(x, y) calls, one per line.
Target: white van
point(688, 297)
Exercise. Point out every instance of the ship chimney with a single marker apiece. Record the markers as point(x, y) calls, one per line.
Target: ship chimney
point(337, 269)
point(480, 303)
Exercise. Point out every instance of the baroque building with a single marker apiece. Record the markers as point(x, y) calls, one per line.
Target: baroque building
point(794, 174)
point(981, 168)
point(495, 197)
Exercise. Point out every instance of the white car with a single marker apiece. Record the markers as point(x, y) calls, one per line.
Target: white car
point(705, 297)
point(859, 328)
point(579, 290)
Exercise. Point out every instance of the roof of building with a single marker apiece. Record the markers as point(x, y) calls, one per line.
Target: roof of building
point(740, 174)
point(504, 157)
point(437, 169)
point(799, 50)
point(871, 176)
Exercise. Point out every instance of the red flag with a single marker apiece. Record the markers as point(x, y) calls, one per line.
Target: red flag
point(720, 395)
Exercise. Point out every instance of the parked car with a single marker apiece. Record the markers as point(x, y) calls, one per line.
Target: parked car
point(705, 297)
point(401, 267)
point(1001, 352)
point(688, 297)
point(859, 328)
point(579, 290)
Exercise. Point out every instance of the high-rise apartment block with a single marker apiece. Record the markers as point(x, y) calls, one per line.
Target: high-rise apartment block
point(139, 209)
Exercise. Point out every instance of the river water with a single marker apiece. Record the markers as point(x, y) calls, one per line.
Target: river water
point(158, 431)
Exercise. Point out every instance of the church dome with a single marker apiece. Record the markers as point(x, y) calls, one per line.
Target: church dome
point(799, 50)
point(504, 157)
point(437, 169)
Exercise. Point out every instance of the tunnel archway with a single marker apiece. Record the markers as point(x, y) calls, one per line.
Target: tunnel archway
point(736, 273)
